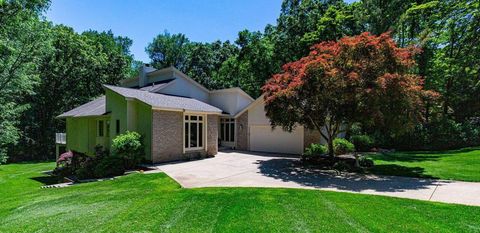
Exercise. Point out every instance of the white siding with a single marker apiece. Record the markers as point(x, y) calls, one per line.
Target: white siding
point(256, 115)
point(183, 87)
point(229, 101)
point(263, 138)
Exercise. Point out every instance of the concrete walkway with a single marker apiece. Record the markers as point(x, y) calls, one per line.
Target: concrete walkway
point(242, 169)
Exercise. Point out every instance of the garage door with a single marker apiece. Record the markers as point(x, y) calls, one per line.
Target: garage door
point(263, 139)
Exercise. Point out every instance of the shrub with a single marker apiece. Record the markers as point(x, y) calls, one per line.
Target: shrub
point(362, 142)
point(365, 162)
point(315, 150)
point(3, 157)
point(129, 147)
point(109, 166)
point(342, 146)
point(81, 166)
point(65, 158)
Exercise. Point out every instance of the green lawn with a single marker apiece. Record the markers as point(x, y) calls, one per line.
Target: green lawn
point(461, 164)
point(154, 202)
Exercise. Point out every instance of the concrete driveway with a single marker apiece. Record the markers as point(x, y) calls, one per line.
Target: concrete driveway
point(246, 169)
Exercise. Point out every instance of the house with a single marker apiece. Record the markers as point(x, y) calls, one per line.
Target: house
point(178, 118)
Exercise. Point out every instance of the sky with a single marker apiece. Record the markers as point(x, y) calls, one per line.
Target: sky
point(141, 21)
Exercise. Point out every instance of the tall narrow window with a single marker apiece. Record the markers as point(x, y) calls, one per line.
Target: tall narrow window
point(227, 129)
point(117, 129)
point(107, 124)
point(194, 131)
point(200, 133)
point(100, 128)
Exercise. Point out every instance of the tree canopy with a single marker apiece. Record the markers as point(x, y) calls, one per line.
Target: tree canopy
point(22, 37)
point(37, 57)
point(47, 69)
point(364, 79)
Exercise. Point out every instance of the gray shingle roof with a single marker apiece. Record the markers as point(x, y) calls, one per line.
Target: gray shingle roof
point(95, 107)
point(165, 101)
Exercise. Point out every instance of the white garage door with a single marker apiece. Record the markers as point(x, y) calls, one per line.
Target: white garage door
point(262, 138)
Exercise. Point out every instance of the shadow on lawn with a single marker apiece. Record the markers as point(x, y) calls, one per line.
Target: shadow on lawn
point(404, 157)
point(293, 171)
point(46, 180)
point(398, 170)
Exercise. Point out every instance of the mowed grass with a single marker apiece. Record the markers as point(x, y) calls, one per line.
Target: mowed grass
point(463, 164)
point(156, 203)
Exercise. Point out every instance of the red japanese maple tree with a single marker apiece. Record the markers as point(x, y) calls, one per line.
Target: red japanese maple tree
point(364, 79)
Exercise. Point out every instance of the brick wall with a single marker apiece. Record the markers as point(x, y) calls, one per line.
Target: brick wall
point(212, 134)
point(167, 133)
point(242, 132)
point(167, 137)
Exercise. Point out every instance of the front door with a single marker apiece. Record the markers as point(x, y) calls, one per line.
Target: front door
point(227, 132)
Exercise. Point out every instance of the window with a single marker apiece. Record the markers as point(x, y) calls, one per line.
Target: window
point(100, 128)
point(227, 129)
point(194, 131)
point(107, 124)
point(117, 129)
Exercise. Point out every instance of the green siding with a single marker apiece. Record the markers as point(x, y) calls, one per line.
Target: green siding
point(117, 106)
point(144, 126)
point(82, 132)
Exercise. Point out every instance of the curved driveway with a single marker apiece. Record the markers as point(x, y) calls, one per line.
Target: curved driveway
point(247, 169)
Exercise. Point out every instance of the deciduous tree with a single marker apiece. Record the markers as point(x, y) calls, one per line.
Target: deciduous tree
point(364, 79)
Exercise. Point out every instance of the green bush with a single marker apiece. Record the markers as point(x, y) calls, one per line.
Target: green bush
point(342, 146)
point(109, 166)
point(365, 162)
point(129, 147)
point(3, 157)
point(315, 150)
point(362, 142)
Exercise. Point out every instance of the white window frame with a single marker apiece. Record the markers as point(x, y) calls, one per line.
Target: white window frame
point(204, 128)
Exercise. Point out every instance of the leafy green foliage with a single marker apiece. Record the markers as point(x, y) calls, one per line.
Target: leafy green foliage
point(109, 166)
point(129, 147)
point(72, 73)
point(342, 146)
point(168, 50)
point(251, 67)
point(362, 142)
point(22, 37)
point(81, 166)
point(314, 150)
point(437, 135)
point(365, 162)
point(201, 61)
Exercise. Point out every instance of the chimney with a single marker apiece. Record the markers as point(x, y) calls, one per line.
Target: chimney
point(142, 75)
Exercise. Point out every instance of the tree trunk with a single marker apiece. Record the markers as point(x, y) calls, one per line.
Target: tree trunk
point(330, 147)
